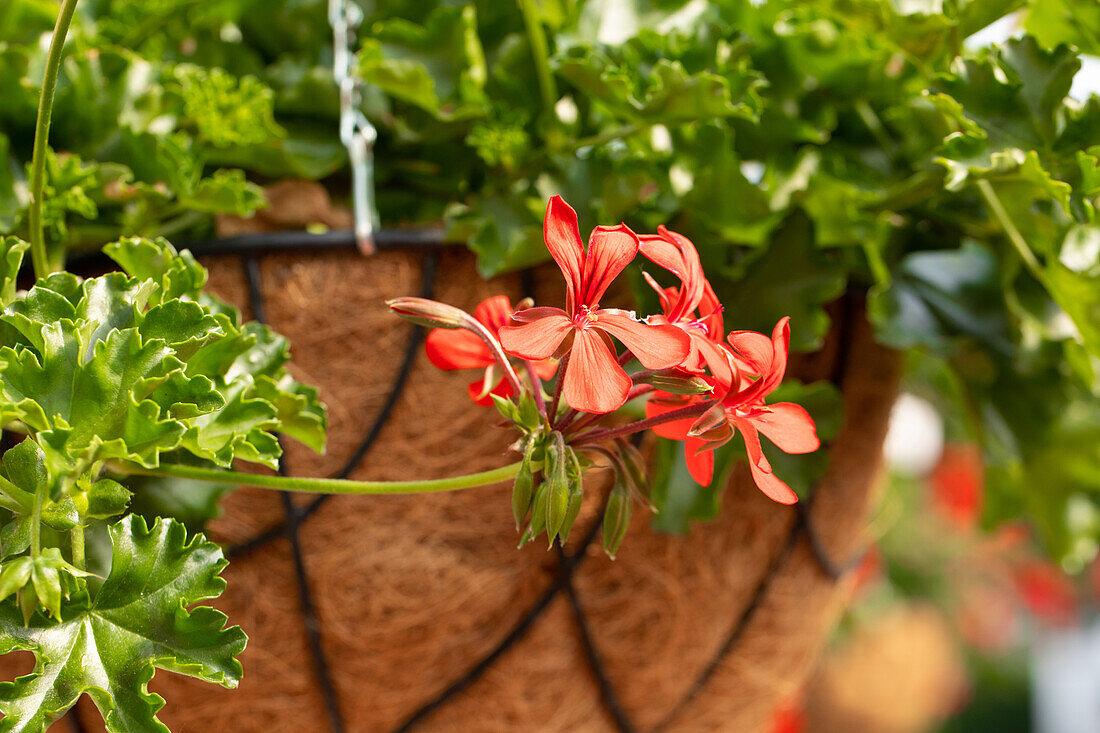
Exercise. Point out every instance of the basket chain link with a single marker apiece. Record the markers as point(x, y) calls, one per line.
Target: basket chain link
point(356, 132)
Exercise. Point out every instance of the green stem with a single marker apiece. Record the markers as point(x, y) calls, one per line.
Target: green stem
point(541, 53)
point(39, 257)
point(334, 485)
point(1011, 231)
point(76, 539)
point(605, 137)
point(36, 525)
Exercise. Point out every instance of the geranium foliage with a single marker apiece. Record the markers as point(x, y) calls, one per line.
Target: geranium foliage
point(109, 645)
point(100, 377)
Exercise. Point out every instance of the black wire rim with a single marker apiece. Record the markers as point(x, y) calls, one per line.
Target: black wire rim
point(431, 242)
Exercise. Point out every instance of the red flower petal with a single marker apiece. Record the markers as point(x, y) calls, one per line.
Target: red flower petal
point(656, 347)
point(457, 349)
point(789, 426)
point(675, 430)
point(610, 250)
point(594, 381)
point(537, 340)
point(700, 460)
point(563, 239)
point(476, 389)
point(675, 253)
point(755, 349)
point(718, 360)
point(545, 369)
point(761, 470)
point(710, 310)
point(533, 314)
point(494, 312)
point(766, 358)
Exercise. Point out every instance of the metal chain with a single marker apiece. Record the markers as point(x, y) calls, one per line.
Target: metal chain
point(356, 132)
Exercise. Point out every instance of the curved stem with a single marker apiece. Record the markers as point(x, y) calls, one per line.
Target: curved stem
point(597, 436)
point(39, 256)
point(541, 53)
point(563, 365)
point(1014, 236)
point(332, 485)
point(76, 538)
point(479, 330)
point(536, 387)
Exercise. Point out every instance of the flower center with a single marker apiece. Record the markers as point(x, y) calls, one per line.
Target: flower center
point(587, 316)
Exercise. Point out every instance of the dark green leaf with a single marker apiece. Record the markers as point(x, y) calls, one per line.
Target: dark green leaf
point(109, 646)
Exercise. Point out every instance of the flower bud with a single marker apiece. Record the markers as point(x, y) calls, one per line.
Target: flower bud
point(616, 519)
point(538, 515)
point(634, 474)
point(683, 384)
point(576, 498)
point(429, 312)
point(714, 417)
point(523, 490)
point(557, 500)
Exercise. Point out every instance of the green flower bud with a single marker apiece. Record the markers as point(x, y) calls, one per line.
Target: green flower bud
point(538, 514)
point(558, 458)
point(674, 383)
point(616, 519)
point(523, 490)
point(576, 497)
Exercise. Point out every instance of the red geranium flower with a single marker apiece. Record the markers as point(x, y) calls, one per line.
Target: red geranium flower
point(452, 349)
point(693, 307)
point(700, 460)
point(786, 424)
point(593, 381)
point(957, 485)
point(1047, 593)
point(788, 717)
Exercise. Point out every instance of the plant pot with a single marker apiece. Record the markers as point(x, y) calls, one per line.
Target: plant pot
point(427, 616)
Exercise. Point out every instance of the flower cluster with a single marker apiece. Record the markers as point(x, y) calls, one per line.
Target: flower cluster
point(701, 385)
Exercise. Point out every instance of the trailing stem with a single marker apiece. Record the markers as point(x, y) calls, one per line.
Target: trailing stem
point(1011, 231)
point(332, 485)
point(39, 256)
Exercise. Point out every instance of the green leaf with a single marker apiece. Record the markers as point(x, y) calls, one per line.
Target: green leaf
point(226, 110)
point(11, 204)
point(11, 258)
point(127, 368)
point(789, 278)
point(674, 88)
point(1072, 22)
point(439, 66)
point(106, 499)
point(937, 297)
point(109, 646)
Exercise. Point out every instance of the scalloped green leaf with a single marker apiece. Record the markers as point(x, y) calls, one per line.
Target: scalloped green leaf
point(110, 646)
point(12, 250)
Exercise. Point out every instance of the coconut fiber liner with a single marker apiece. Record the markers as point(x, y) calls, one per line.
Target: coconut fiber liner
point(418, 613)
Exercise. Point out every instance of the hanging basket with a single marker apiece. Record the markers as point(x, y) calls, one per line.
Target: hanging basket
point(377, 613)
